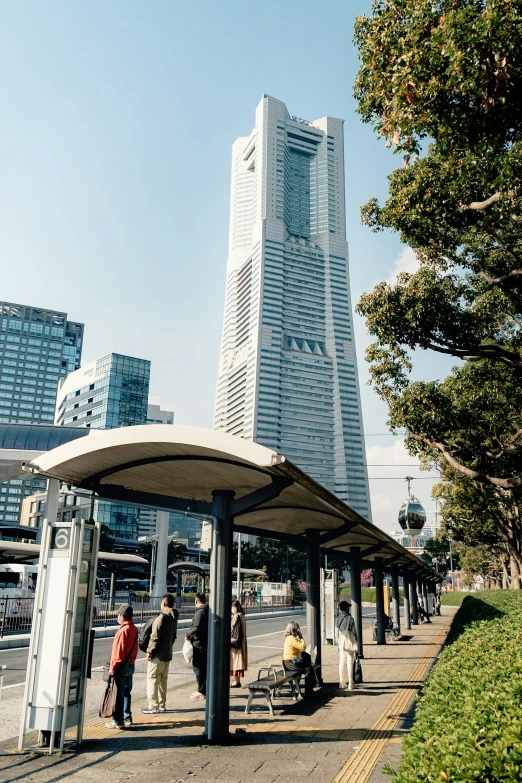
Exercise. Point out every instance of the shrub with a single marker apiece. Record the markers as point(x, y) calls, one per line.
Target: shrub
point(468, 725)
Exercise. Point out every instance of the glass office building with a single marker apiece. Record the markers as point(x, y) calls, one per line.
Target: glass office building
point(38, 348)
point(110, 392)
point(288, 371)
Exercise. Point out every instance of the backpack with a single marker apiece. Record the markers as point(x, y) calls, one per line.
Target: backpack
point(146, 631)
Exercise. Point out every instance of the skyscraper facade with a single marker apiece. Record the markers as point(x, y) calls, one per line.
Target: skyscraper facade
point(38, 348)
point(288, 370)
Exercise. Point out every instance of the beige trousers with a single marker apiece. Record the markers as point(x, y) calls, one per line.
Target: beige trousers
point(157, 675)
point(346, 662)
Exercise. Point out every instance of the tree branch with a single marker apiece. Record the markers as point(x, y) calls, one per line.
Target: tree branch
point(496, 280)
point(504, 483)
point(480, 205)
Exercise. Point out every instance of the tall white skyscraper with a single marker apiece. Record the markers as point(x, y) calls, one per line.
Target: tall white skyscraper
point(288, 371)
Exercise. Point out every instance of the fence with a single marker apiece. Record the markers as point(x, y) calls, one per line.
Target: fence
point(16, 614)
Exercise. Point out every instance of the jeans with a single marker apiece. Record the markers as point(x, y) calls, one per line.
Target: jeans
point(122, 710)
point(199, 666)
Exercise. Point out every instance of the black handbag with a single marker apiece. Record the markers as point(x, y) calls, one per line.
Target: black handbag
point(236, 636)
point(357, 671)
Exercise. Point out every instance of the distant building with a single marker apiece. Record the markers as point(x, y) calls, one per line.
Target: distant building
point(38, 348)
point(155, 415)
point(110, 392)
point(107, 393)
point(288, 375)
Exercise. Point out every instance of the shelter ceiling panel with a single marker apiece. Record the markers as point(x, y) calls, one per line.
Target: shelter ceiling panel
point(193, 479)
point(292, 520)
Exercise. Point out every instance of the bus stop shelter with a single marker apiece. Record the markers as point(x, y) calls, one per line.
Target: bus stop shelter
point(243, 486)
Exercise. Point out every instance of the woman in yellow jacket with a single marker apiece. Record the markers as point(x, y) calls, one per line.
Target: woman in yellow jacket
point(295, 657)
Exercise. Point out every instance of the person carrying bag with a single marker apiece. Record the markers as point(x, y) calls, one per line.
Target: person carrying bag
point(347, 643)
point(116, 702)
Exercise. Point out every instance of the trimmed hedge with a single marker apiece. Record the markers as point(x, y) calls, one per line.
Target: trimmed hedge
point(454, 599)
point(468, 725)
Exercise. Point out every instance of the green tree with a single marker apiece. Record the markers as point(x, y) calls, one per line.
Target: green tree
point(282, 562)
point(451, 71)
point(176, 551)
point(106, 539)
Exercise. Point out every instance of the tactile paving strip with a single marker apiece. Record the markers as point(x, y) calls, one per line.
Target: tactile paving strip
point(363, 761)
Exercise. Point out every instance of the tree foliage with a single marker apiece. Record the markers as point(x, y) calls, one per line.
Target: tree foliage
point(451, 71)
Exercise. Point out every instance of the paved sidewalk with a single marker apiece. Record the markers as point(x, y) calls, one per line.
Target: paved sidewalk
point(331, 736)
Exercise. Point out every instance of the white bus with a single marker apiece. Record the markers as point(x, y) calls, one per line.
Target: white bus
point(18, 581)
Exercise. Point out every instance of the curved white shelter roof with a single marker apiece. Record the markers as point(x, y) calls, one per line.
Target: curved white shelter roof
point(21, 551)
point(178, 468)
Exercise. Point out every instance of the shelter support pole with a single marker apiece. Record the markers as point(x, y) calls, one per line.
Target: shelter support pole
point(51, 505)
point(413, 600)
point(162, 546)
point(313, 594)
point(425, 599)
point(218, 662)
point(355, 581)
point(179, 585)
point(396, 615)
point(407, 604)
point(379, 600)
point(112, 589)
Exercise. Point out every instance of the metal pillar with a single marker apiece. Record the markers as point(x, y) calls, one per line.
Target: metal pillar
point(51, 505)
point(396, 614)
point(406, 592)
point(355, 579)
point(313, 595)
point(179, 586)
point(413, 600)
point(238, 575)
point(218, 662)
point(112, 590)
point(425, 599)
point(162, 547)
point(379, 600)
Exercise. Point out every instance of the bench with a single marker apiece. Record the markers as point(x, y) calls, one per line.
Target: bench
point(271, 684)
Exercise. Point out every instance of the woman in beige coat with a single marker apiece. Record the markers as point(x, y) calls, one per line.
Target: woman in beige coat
point(238, 645)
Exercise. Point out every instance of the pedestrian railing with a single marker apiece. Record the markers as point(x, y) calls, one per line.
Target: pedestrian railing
point(16, 614)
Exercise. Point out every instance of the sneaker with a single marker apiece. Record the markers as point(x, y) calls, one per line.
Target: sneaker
point(196, 696)
point(162, 709)
point(113, 725)
point(127, 722)
point(349, 688)
point(342, 686)
point(150, 711)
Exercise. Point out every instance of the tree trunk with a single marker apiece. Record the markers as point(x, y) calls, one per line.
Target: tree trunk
point(505, 576)
point(515, 573)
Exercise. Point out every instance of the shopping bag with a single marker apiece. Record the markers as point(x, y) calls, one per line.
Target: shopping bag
point(188, 652)
point(108, 702)
point(357, 671)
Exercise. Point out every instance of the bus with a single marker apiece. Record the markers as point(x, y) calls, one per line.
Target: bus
point(17, 580)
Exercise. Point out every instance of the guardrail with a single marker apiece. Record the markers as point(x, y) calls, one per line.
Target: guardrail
point(16, 614)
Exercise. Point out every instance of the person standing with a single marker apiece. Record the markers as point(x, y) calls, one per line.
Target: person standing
point(159, 655)
point(197, 634)
point(238, 645)
point(123, 656)
point(347, 643)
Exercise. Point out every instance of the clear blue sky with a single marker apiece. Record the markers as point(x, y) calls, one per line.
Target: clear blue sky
point(115, 145)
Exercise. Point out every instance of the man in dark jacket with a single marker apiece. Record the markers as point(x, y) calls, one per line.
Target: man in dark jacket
point(197, 634)
point(159, 655)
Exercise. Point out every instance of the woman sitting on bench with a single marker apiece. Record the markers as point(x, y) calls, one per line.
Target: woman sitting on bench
point(295, 657)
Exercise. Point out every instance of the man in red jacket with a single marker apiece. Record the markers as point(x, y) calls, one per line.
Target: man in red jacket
point(123, 656)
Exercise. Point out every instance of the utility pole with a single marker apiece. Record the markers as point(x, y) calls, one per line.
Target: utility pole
point(238, 579)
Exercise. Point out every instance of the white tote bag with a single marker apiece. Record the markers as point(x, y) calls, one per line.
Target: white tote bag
point(188, 652)
point(347, 641)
